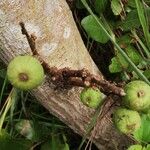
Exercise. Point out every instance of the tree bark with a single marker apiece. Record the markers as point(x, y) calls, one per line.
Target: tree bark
point(59, 44)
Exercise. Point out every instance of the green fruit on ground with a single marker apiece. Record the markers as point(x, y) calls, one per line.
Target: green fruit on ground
point(126, 121)
point(135, 147)
point(25, 72)
point(91, 97)
point(137, 95)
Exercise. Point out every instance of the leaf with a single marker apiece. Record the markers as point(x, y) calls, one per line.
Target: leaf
point(94, 30)
point(131, 21)
point(133, 54)
point(115, 66)
point(124, 41)
point(143, 64)
point(116, 7)
point(100, 5)
point(118, 64)
point(32, 130)
point(147, 73)
point(143, 133)
point(7, 143)
point(24, 127)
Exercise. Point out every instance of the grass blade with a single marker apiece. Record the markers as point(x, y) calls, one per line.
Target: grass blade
point(3, 87)
point(143, 21)
point(141, 44)
point(9, 101)
point(90, 126)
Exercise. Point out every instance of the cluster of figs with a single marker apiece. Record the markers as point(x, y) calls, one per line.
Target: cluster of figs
point(126, 118)
point(26, 73)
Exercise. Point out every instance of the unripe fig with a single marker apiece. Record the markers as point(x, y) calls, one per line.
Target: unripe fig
point(135, 147)
point(137, 95)
point(25, 72)
point(126, 121)
point(91, 97)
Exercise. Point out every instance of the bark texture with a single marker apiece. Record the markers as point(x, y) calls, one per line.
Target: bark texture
point(59, 43)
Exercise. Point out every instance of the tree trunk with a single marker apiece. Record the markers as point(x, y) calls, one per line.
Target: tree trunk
point(59, 44)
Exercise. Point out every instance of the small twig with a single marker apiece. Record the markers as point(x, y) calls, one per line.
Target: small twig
point(84, 79)
point(67, 77)
point(30, 38)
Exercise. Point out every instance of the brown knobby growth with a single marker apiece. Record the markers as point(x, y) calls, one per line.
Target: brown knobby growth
point(66, 77)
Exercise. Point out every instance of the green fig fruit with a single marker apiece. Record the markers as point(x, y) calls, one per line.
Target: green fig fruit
point(137, 95)
point(25, 72)
point(126, 121)
point(135, 147)
point(91, 97)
